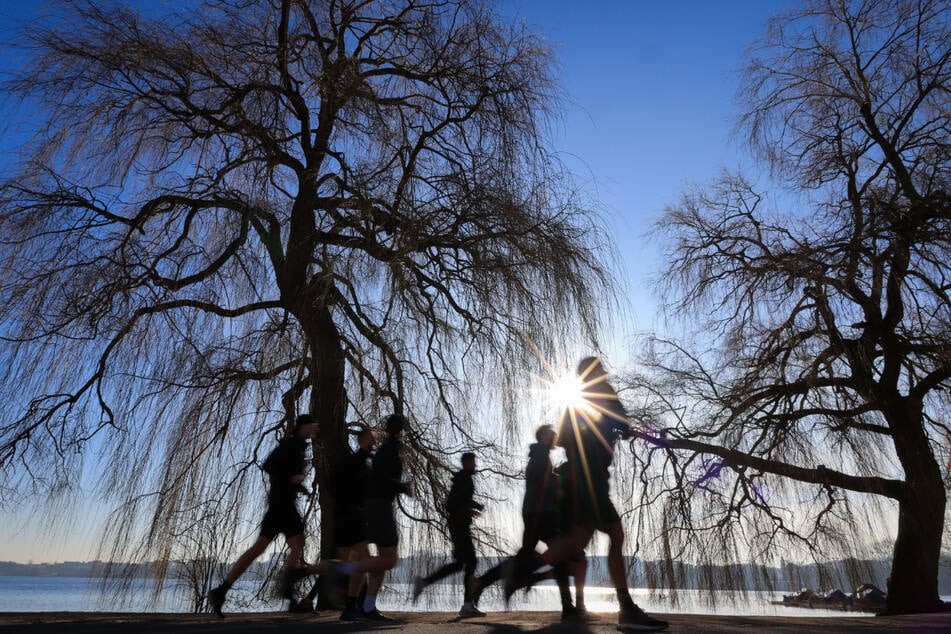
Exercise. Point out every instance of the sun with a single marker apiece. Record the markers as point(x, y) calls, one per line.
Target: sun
point(567, 392)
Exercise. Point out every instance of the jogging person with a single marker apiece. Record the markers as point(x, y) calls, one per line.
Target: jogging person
point(588, 436)
point(384, 484)
point(543, 492)
point(461, 508)
point(285, 466)
point(348, 486)
point(541, 521)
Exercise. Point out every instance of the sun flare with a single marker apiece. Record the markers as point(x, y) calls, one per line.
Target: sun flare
point(567, 392)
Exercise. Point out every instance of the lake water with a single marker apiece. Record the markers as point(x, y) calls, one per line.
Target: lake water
point(73, 594)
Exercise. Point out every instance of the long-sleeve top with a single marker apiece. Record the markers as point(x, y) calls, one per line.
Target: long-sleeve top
point(287, 460)
point(350, 480)
point(460, 503)
point(541, 486)
point(387, 472)
point(589, 437)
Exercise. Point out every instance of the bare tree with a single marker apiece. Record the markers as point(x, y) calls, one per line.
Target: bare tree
point(824, 357)
point(252, 209)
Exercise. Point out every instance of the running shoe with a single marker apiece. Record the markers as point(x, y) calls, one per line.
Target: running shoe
point(418, 586)
point(216, 599)
point(636, 620)
point(469, 611)
point(379, 617)
point(572, 614)
point(351, 613)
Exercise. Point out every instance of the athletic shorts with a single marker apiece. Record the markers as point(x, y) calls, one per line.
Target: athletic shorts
point(281, 519)
point(589, 505)
point(542, 526)
point(350, 528)
point(381, 522)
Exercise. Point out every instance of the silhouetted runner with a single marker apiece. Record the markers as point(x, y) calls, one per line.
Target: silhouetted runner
point(539, 514)
point(384, 484)
point(460, 509)
point(348, 485)
point(285, 466)
point(588, 436)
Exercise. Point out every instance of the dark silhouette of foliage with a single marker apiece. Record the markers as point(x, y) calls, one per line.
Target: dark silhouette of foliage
point(810, 408)
point(247, 210)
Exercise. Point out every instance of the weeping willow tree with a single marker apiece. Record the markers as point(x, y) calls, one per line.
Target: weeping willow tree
point(810, 409)
point(247, 210)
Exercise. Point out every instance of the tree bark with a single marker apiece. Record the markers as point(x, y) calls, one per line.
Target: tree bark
point(913, 583)
point(329, 408)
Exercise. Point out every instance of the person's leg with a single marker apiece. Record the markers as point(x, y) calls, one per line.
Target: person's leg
point(216, 596)
point(382, 530)
point(490, 576)
point(560, 572)
point(527, 559)
point(547, 530)
point(374, 580)
point(462, 551)
point(577, 613)
point(465, 553)
point(352, 608)
point(370, 564)
point(569, 546)
point(630, 615)
point(615, 533)
point(294, 568)
point(290, 522)
point(580, 572)
point(295, 551)
point(441, 573)
point(342, 554)
point(530, 534)
point(468, 577)
point(379, 565)
point(564, 548)
point(246, 559)
point(356, 552)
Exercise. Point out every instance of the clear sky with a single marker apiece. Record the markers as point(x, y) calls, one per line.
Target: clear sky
point(650, 110)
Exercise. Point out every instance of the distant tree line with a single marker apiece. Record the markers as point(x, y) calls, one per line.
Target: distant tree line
point(845, 574)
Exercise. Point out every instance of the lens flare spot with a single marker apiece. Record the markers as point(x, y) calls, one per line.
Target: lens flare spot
point(567, 392)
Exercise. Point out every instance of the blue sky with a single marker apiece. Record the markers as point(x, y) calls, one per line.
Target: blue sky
point(650, 111)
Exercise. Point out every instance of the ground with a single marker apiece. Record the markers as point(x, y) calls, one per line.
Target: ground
point(441, 622)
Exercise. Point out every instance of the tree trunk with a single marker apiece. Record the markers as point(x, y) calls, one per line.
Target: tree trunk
point(329, 408)
point(913, 583)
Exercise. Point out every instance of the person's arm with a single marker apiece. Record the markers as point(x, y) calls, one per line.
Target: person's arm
point(472, 506)
point(615, 415)
point(389, 469)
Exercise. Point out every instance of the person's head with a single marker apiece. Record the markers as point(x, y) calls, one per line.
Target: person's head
point(395, 425)
point(590, 369)
point(468, 461)
point(305, 426)
point(545, 435)
point(365, 439)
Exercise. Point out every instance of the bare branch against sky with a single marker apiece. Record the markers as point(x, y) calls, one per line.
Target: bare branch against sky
point(243, 211)
point(822, 352)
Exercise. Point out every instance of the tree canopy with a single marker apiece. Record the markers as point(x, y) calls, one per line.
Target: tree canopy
point(248, 210)
point(817, 381)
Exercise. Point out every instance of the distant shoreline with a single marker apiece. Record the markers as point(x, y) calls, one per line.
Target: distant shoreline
point(788, 577)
